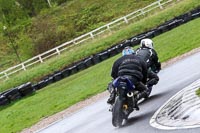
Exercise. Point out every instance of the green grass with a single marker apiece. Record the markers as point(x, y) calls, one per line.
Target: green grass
point(89, 48)
point(180, 40)
point(61, 95)
point(198, 92)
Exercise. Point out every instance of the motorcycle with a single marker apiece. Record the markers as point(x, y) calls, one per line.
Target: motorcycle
point(125, 100)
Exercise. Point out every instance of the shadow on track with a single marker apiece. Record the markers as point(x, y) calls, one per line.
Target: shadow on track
point(144, 115)
point(153, 98)
point(138, 118)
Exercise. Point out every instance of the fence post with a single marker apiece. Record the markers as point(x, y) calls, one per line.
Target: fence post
point(142, 12)
point(92, 36)
point(74, 41)
point(125, 19)
point(57, 50)
point(6, 75)
point(108, 27)
point(23, 66)
point(40, 58)
point(161, 7)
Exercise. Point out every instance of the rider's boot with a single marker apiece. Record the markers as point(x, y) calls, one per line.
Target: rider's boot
point(148, 91)
point(111, 99)
point(136, 103)
point(142, 95)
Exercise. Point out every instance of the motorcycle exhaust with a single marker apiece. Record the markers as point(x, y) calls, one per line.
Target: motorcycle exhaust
point(130, 94)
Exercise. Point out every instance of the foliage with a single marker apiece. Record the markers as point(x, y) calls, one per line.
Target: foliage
point(33, 7)
point(198, 92)
point(11, 12)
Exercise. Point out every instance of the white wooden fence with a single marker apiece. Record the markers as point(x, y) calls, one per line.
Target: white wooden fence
point(90, 35)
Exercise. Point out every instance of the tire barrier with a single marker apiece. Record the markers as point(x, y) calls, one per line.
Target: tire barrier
point(57, 76)
point(3, 100)
point(126, 43)
point(103, 55)
point(150, 34)
point(163, 28)
point(12, 94)
point(96, 59)
point(16, 93)
point(41, 84)
point(156, 32)
point(175, 23)
point(196, 15)
point(119, 47)
point(113, 51)
point(28, 88)
point(73, 69)
point(81, 66)
point(65, 72)
point(88, 62)
point(35, 86)
point(50, 79)
point(135, 41)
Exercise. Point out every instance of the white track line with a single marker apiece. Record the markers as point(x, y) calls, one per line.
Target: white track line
point(176, 117)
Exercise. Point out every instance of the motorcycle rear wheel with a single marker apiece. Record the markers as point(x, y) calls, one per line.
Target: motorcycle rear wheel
point(117, 113)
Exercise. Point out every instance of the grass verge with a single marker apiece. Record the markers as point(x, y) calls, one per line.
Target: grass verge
point(198, 92)
point(61, 95)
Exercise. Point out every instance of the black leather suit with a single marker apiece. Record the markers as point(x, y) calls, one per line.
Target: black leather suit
point(153, 65)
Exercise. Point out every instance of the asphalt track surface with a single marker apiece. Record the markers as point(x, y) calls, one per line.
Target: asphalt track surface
point(96, 118)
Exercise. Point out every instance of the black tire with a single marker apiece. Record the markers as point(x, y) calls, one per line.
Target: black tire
point(117, 113)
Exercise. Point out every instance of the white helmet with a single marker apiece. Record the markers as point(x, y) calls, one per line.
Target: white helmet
point(148, 43)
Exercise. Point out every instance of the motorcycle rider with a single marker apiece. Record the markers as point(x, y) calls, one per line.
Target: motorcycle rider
point(132, 67)
point(149, 55)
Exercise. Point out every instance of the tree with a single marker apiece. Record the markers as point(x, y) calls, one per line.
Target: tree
point(11, 12)
point(11, 35)
point(33, 7)
point(49, 2)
